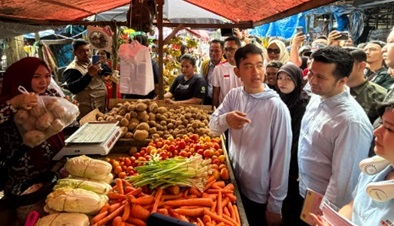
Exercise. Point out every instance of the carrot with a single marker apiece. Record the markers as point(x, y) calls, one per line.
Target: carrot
point(136, 221)
point(170, 197)
point(157, 200)
point(219, 184)
point(221, 224)
point(219, 205)
point(163, 211)
point(199, 221)
point(229, 186)
point(104, 208)
point(128, 189)
point(188, 207)
point(110, 216)
point(127, 184)
point(211, 196)
point(209, 184)
point(113, 195)
point(197, 212)
point(117, 221)
point(225, 201)
point(195, 191)
point(231, 196)
point(226, 211)
point(114, 207)
point(99, 216)
point(231, 210)
point(139, 212)
point(206, 219)
point(236, 213)
point(172, 213)
point(126, 212)
point(119, 186)
point(174, 189)
point(145, 200)
point(217, 218)
point(230, 219)
point(211, 178)
point(190, 202)
point(135, 192)
point(215, 191)
point(213, 207)
point(186, 193)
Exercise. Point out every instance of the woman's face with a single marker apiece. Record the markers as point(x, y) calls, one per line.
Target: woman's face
point(273, 52)
point(270, 75)
point(103, 56)
point(285, 83)
point(41, 80)
point(384, 140)
point(187, 68)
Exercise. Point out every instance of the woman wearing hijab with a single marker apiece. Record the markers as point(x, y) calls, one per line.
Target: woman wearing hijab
point(277, 51)
point(22, 166)
point(290, 86)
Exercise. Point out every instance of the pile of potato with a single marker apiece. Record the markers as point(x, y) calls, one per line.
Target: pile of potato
point(144, 119)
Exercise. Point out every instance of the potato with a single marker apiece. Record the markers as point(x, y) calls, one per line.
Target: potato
point(163, 122)
point(124, 122)
point(127, 116)
point(141, 135)
point(141, 115)
point(152, 117)
point(135, 120)
point(152, 123)
point(131, 107)
point(162, 110)
point(123, 131)
point(152, 130)
point(133, 114)
point(128, 135)
point(153, 107)
point(122, 111)
point(170, 125)
point(141, 107)
point(155, 136)
point(44, 121)
point(132, 126)
point(142, 126)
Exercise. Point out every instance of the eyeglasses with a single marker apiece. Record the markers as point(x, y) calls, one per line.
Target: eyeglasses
point(275, 51)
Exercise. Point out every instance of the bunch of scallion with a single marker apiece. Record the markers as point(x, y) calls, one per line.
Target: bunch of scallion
point(185, 172)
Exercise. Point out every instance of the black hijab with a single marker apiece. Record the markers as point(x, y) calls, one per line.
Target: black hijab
point(294, 98)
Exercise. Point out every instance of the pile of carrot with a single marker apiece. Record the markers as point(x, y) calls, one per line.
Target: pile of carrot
point(132, 206)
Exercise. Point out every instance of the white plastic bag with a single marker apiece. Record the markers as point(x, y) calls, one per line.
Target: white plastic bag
point(50, 116)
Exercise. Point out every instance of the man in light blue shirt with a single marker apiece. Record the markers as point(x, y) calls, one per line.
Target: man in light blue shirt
point(336, 133)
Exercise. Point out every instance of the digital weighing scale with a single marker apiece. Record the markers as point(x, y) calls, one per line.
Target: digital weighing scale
point(91, 138)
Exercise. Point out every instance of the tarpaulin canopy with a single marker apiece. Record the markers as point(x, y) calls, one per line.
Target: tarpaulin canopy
point(54, 11)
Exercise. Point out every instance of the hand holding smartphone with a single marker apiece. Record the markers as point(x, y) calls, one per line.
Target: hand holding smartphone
point(95, 59)
point(299, 29)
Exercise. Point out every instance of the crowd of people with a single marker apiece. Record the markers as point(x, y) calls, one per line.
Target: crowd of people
point(296, 117)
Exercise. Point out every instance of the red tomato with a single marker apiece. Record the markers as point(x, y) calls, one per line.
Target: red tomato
point(182, 144)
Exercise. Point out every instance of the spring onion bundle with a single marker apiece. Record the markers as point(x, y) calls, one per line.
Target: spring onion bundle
point(188, 172)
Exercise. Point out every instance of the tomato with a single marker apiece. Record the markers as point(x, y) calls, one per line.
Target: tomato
point(171, 148)
point(183, 153)
point(216, 161)
point(182, 144)
point(122, 175)
point(159, 144)
point(118, 169)
point(163, 155)
point(194, 137)
point(200, 151)
point(208, 154)
point(222, 158)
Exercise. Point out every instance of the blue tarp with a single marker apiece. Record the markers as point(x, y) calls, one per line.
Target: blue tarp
point(348, 18)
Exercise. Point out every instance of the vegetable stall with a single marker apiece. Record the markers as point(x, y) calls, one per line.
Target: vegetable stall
point(166, 163)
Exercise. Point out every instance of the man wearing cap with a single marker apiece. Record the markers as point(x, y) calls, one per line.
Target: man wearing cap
point(376, 71)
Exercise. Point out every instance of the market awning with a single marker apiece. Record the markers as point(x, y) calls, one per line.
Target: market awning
point(48, 12)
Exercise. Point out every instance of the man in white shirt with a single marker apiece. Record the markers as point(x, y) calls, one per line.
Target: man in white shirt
point(223, 76)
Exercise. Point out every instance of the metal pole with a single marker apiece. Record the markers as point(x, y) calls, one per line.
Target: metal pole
point(159, 17)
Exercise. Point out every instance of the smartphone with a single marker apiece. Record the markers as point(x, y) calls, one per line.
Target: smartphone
point(344, 35)
point(95, 59)
point(300, 29)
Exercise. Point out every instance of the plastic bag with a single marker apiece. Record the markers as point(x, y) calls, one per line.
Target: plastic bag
point(49, 117)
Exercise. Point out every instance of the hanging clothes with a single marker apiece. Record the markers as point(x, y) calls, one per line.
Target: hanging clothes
point(136, 74)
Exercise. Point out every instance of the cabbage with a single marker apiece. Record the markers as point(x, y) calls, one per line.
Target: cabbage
point(64, 219)
point(83, 166)
point(99, 188)
point(76, 200)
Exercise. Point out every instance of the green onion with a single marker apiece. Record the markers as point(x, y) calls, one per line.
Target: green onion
point(187, 172)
